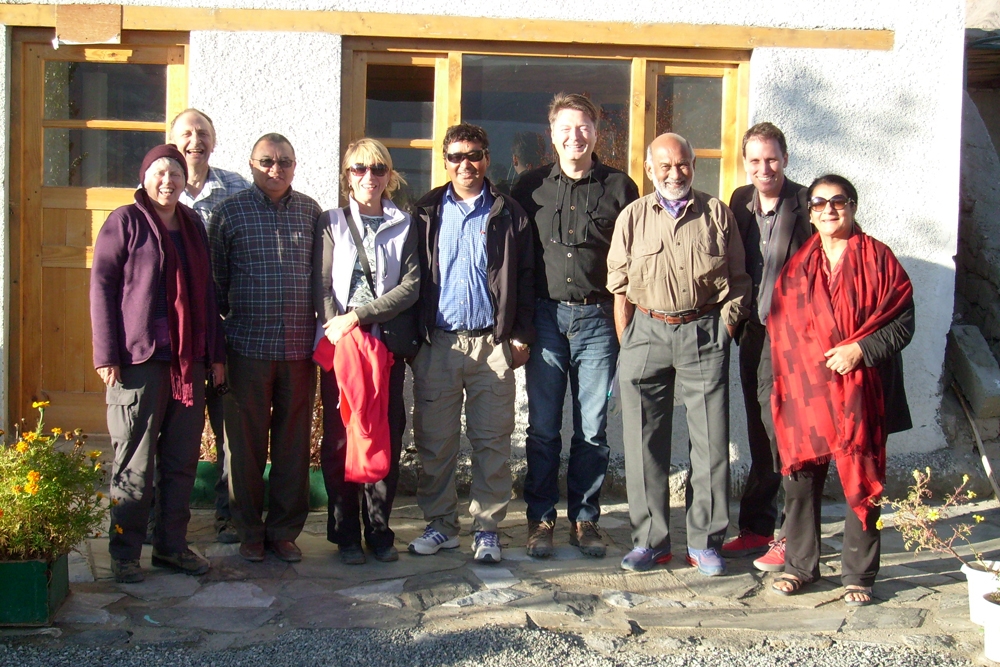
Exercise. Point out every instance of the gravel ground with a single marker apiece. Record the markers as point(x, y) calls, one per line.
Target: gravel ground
point(484, 647)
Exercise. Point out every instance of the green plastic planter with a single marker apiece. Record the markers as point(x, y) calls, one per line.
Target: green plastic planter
point(31, 591)
point(203, 494)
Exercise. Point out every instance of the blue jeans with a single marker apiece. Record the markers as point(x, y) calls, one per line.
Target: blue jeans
point(577, 342)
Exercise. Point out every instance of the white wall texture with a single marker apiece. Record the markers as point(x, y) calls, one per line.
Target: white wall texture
point(889, 121)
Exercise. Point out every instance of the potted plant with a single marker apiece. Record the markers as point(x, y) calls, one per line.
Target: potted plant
point(49, 502)
point(918, 522)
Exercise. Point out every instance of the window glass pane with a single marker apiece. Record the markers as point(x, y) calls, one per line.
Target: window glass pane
point(509, 97)
point(106, 91)
point(96, 158)
point(706, 175)
point(415, 166)
point(400, 102)
point(692, 107)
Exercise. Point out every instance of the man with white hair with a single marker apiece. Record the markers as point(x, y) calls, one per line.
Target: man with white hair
point(676, 267)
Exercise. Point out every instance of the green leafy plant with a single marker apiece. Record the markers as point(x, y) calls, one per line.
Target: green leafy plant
point(918, 522)
point(49, 497)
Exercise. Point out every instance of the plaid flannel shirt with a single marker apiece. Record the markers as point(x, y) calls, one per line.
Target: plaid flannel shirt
point(262, 263)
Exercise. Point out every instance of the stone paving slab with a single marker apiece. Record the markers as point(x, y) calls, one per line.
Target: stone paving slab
point(161, 587)
point(89, 608)
point(230, 595)
point(877, 617)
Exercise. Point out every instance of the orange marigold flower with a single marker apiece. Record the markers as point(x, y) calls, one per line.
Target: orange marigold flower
point(114, 501)
point(97, 466)
point(100, 496)
point(118, 529)
point(21, 447)
point(30, 436)
point(18, 488)
point(34, 476)
point(39, 404)
point(1, 513)
point(31, 487)
point(95, 454)
point(57, 431)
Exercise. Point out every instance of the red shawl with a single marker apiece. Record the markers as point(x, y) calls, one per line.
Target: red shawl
point(818, 413)
point(187, 314)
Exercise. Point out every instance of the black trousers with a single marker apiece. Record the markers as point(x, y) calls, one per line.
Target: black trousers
point(803, 501)
point(349, 500)
point(759, 504)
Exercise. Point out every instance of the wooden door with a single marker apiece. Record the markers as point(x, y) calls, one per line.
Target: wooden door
point(87, 117)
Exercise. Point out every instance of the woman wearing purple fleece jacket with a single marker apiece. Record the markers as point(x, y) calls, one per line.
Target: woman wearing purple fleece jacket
point(156, 330)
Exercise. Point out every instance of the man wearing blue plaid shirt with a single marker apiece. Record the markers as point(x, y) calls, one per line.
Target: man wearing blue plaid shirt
point(477, 304)
point(261, 242)
point(193, 132)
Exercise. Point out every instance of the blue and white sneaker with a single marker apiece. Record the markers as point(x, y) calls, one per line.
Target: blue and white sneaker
point(486, 547)
point(708, 561)
point(431, 542)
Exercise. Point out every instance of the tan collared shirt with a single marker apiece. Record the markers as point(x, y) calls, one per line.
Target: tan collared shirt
point(671, 265)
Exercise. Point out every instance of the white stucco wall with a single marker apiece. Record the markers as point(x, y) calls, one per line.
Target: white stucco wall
point(889, 121)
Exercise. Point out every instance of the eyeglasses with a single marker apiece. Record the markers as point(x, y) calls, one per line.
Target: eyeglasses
point(267, 162)
point(360, 170)
point(471, 156)
point(838, 202)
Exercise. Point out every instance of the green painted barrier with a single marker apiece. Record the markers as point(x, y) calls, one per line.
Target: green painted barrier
point(203, 494)
point(31, 591)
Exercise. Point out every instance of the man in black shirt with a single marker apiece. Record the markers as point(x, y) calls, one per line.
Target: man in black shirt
point(773, 217)
point(573, 204)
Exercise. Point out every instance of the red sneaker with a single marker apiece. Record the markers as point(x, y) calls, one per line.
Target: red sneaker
point(746, 543)
point(774, 559)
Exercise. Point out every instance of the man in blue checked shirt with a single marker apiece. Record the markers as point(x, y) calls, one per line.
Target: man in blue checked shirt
point(193, 132)
point(262, 242)
point(477, 304)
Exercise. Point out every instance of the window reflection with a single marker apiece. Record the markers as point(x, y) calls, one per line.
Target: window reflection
point(96, 158)
point(706, 175)
point(415, 166)
point(400, 102)
point(509, 97)
point(105, 91)
point(691, 107)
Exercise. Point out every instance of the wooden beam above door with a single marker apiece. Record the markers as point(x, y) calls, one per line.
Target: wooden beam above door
point(369, 24)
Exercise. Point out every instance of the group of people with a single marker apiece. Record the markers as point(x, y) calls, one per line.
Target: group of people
point(572, 275)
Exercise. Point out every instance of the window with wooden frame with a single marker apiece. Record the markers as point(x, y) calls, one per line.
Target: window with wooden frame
point(407, 92)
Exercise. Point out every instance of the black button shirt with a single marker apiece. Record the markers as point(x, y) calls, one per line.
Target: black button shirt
point(574, 220)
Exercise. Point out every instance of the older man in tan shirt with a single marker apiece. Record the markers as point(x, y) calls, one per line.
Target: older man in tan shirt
point(676, 267)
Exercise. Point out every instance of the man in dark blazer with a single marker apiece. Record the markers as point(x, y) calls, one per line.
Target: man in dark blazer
point(773, 218)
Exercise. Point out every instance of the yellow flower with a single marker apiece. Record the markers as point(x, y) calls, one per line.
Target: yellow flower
point(57, 431)
point(100, 496)
point(114, 501)
point(21, 447)
point(30, 436)
point(31, 488)
point(18, 488)
point(118, 529)
point(971, 494)
point(933, 515)
point(39, 404)
point(965, 479)
point(95, 454)
point(97, 466)
point(978, 518)
point(34, 476)
point(916, 475)
point(878, 524)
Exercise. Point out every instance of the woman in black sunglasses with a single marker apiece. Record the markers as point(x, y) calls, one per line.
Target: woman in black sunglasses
point(365, 273)
point(841, 313)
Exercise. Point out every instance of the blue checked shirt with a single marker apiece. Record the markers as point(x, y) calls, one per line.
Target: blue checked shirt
point(221, 185)
point(262, 263)
point(464, 302)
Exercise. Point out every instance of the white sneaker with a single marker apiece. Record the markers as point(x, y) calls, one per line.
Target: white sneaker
point(431, 542)
point(486, 547)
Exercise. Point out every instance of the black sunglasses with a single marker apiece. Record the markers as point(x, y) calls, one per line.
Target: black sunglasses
point(838, 202)
point(471, 156)
point(267, 162)
point(360, 170)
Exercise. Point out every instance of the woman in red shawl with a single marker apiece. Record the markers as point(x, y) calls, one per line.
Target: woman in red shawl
point(841, 313)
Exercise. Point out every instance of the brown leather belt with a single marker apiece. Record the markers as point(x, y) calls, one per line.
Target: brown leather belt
point(682, 317)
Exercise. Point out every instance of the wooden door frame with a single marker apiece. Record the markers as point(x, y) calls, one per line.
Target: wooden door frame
point(24, 344)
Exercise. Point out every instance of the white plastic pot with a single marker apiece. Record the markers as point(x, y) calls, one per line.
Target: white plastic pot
point(981, 582)
point(991, 628)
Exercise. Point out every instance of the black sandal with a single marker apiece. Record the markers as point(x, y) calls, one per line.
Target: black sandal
point(864, 591)
point(795, 583)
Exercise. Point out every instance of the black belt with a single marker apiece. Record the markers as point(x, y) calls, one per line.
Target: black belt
point(469, 333)
point(682, 317)
point(588, 301)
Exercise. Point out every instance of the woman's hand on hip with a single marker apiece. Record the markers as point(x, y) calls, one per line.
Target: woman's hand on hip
point(340, 326)
point(844, 358)
point(110, 374)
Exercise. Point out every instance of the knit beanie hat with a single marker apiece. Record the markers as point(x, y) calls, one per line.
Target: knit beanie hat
point(163, 150)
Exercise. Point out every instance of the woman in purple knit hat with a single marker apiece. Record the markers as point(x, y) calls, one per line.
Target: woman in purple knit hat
point(156, 333)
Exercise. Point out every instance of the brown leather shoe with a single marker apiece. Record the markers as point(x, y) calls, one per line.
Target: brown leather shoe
point(285, 550)
point(540, 538)
point(252, 551)
point(584, 534)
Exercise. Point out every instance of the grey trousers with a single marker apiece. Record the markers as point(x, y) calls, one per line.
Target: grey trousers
point(451, 367)
point(655, 355)
point(152, 435)
point(269, 402)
